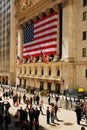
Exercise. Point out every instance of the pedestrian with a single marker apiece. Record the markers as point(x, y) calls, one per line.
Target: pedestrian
point(37, 99)
point(24, 98)
point(36, 114)
point(1, 120)
point(56, 99)
point(17, 118)
point(7, 106)
point(7, 120)
point(25, 115)
point(78, 113)
point(21, 115)
point(40, 107)
point(56, 109)
point(31, 116)
point(24, 125)
point(82, 128)
point(19, 98)
point(48, 115)
point(52, 112)
point(49, 99)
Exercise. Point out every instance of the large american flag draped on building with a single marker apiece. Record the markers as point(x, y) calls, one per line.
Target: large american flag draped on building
point(41, 36)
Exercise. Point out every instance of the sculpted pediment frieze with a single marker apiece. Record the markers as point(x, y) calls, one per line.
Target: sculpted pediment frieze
point(21, 5)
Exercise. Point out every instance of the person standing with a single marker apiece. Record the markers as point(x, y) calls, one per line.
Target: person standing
point(17, 118)
point(52, 114)
point(37, 112)
point(56, 109)
point(24, 125)
point(19, 97)
point(48, 115)
point(7, 120)
point(49, 99)
point(24, 98)
point(78, 113)
point(31, 116)
point(82, 128)
point(1, 121)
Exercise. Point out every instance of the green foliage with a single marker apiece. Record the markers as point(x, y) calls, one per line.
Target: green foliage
point(43, 93)
point(28, 89)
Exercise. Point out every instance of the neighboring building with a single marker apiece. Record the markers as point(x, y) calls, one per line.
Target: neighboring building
point(67, 68)
point(7, 42)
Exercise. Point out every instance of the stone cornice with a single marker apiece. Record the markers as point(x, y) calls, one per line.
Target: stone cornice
point(23, 15)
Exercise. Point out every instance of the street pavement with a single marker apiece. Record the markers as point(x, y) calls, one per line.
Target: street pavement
point(66, 118)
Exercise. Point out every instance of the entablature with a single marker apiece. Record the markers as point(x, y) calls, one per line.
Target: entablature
point(26, 9)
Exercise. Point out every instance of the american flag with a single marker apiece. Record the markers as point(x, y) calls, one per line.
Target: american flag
point(41, 36)
point(44, 57)
point(20, 60)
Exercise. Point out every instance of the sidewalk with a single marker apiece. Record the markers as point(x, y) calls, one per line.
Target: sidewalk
point(67, 118)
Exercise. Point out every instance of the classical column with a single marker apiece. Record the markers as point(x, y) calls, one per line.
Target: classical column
point(20, 42)
point(67, 45)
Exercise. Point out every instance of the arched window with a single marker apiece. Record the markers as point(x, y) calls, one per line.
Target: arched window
point(43, 14)
point(42, 72)
point(35, 71)
point(58, 72)
point(49, 71)
point(51, 10)
point(37, 18)
point(24, 70)
point(30, 71)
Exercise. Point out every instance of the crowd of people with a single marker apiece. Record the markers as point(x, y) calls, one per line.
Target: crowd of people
point(81, 111)
point(28, 118)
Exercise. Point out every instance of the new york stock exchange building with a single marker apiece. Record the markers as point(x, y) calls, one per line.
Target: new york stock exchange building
point(51, 44)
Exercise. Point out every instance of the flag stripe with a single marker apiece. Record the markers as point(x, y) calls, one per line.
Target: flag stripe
point(39, 51)
point(47, 18)
point(45, 36)
point(49, 26)
point(29, 47)
point(43, 40)
point(47, 23)
point(45, 31)
point(40, 48)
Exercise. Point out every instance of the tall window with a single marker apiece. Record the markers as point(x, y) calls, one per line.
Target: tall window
point(84, 35)
point(49, 72)
point(84, 52)
point(58, 72)
point(86, 73)
point(84, 2)
point(35, 71)
point(84, 16)
point(42, 72)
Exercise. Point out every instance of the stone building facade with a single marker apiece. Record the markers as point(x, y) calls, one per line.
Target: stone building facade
point(69, 65)
point(7, 42)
